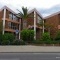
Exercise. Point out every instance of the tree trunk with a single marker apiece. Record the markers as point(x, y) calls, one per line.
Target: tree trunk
point(24, 24)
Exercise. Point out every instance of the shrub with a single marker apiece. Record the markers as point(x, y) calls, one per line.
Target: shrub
point(0, 38)
point(8, 36)
point(57, 38)
point(46, 38)
point(27, 35)
point(5, 42)
point(18, 42)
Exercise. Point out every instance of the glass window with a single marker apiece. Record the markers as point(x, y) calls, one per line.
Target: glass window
point(9, 24)
point(38, 19)
point(10, 16)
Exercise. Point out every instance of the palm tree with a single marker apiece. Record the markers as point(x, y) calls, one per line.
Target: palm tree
point(24, 16)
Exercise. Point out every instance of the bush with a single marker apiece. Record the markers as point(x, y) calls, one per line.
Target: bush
point(27, 35)
point(0, 38)
point(8, 37)
point(57, 38)
point(5, 42)
point(37, 42)
point(18, 42)
point(46, 38)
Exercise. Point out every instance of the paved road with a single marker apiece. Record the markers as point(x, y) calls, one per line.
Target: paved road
point(29, 56)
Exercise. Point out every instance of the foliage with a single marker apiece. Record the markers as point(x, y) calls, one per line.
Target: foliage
point(37, 42)
point(18, 42)
point(46, 38)
point(8, 36)
point(0, 38)
point(57, 38)
point(23, 14)
point(5, 42)
point(27, 35)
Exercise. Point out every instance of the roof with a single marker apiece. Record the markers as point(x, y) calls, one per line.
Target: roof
point(52, 15)
point(5, 7)
point(35, 11)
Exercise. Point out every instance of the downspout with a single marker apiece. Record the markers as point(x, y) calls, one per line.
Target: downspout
point(34, 25)
point(4, 16)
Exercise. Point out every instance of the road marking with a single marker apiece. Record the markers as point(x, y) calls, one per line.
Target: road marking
point(57, 57)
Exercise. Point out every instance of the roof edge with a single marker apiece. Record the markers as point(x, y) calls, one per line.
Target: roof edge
point(52, 15)
point(36, 11)
point(5, 7)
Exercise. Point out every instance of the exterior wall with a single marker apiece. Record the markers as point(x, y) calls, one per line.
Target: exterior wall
point(30, 21)
point(8, 28)
point(16, 23)
point(1, 15)
point(53, 23)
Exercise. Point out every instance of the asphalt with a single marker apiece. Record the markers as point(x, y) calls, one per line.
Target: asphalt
point(29, 48)
point(29, 56)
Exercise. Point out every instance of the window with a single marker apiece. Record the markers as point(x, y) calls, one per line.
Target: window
point(39, 19)
point(12, 17)
point(9, 24)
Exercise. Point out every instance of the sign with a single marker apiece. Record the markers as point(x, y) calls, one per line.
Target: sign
point(16, 31)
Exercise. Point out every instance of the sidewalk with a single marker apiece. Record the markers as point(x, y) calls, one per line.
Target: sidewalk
point(29, 48)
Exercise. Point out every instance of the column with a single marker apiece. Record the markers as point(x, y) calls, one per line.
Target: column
point(34, 25)
point(4, 16)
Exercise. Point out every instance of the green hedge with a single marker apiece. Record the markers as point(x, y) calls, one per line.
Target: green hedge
point(27, 35)
point(18, 42)
point(7, 38)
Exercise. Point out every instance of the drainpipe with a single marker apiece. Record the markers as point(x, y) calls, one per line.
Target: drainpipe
point(4, 16)
point(34, 25)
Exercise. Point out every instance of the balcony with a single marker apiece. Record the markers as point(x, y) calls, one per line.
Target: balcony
point(13, 21)
point(9, 27)
point(9, 30)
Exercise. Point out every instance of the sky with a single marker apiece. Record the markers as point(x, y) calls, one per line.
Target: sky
point(45, 7)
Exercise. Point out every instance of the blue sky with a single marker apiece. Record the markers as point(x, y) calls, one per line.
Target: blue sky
point(45, 7)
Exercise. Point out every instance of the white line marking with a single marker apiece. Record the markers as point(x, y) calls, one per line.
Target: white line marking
point(57, 57)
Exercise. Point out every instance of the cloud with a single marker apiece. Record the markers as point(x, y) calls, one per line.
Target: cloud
point(46, 12)
point(43, 6)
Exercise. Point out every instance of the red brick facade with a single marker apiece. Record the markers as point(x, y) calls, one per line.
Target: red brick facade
point(54, 22)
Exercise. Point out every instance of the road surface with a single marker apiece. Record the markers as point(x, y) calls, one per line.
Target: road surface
point(29, 56)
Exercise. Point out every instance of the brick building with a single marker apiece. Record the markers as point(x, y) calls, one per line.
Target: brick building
point(53, 21)
point(10, 22)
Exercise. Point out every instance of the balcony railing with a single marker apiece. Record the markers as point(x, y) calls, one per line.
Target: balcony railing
point(13, 21)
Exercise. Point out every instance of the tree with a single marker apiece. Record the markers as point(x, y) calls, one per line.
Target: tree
point(48, 27)
point(24, 16)
point(57, 38)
